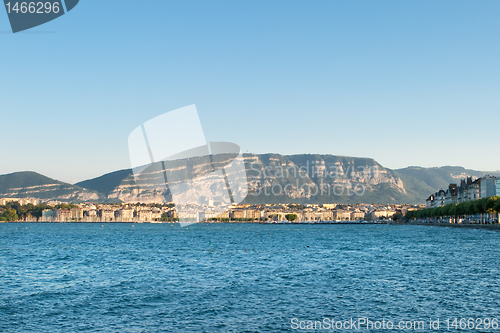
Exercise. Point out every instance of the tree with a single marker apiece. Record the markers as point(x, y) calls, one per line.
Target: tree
point(9, 215)
point(472, 208)
point(479, 207)
point(291, 217)
point(397, 217)
point(453, 211)
point(38, 210)
point(65, 206)
point(488, 204)
point(497, 206)
point(446, 210)
point(467, 208)
point(439, 211)
point(462, 208)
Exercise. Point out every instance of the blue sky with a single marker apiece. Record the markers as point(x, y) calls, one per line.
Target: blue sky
point(403, 82)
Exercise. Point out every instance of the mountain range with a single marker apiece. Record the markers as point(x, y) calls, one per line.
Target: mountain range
point(30, 184)
point(272, 178)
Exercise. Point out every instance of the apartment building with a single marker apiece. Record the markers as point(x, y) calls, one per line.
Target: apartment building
point(484, 187)
point(124, 215)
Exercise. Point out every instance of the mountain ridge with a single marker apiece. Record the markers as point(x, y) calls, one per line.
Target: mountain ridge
point(412, 184)
point(30, 184)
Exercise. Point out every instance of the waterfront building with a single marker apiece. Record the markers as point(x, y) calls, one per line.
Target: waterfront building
point(155, 214)
point(473, 190)
point(172, 213)
point(430, 201)
point(468, 190)
point(343, 215)
point(463, 193)
point(488, 187)
point(223, 215)
point(186, 214)
point(311, 216)
point(106, 215)
point(237, 214)
point(76, 214)
point(47, 215)
point(451, 194)
point(441, 197)
point(144, 215)
point(62, 215)
point(90, 215)
point(245, 214)
point(275, 215)
point(124, 215)
point(207, 216)
point(382, 214)
point(357, 215)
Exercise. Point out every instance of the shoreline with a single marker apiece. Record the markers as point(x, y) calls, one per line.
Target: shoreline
point(452, 225)
point(171, 222)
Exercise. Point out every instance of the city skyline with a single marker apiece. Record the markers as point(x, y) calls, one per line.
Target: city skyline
point(402, 83)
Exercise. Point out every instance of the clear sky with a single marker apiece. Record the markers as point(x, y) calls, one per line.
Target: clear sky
point(403, 82)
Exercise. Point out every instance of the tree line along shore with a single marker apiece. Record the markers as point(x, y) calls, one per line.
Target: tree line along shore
point(482, 211)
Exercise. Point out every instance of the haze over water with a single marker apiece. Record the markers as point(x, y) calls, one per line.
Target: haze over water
point(240, 277)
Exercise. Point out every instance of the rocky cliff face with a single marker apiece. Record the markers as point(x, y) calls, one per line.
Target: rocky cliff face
point(274, 178)
point(320, 179)
point(129, 191)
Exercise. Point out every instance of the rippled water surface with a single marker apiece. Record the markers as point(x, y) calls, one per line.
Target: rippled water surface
point(240, 277)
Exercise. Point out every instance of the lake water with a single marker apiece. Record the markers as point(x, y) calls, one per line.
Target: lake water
point(241, 277)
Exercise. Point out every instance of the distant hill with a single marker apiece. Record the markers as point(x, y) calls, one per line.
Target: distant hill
point(30, 184)
point(24, 179)
point(297, 173)
point(107, 183)
point(420, 180)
